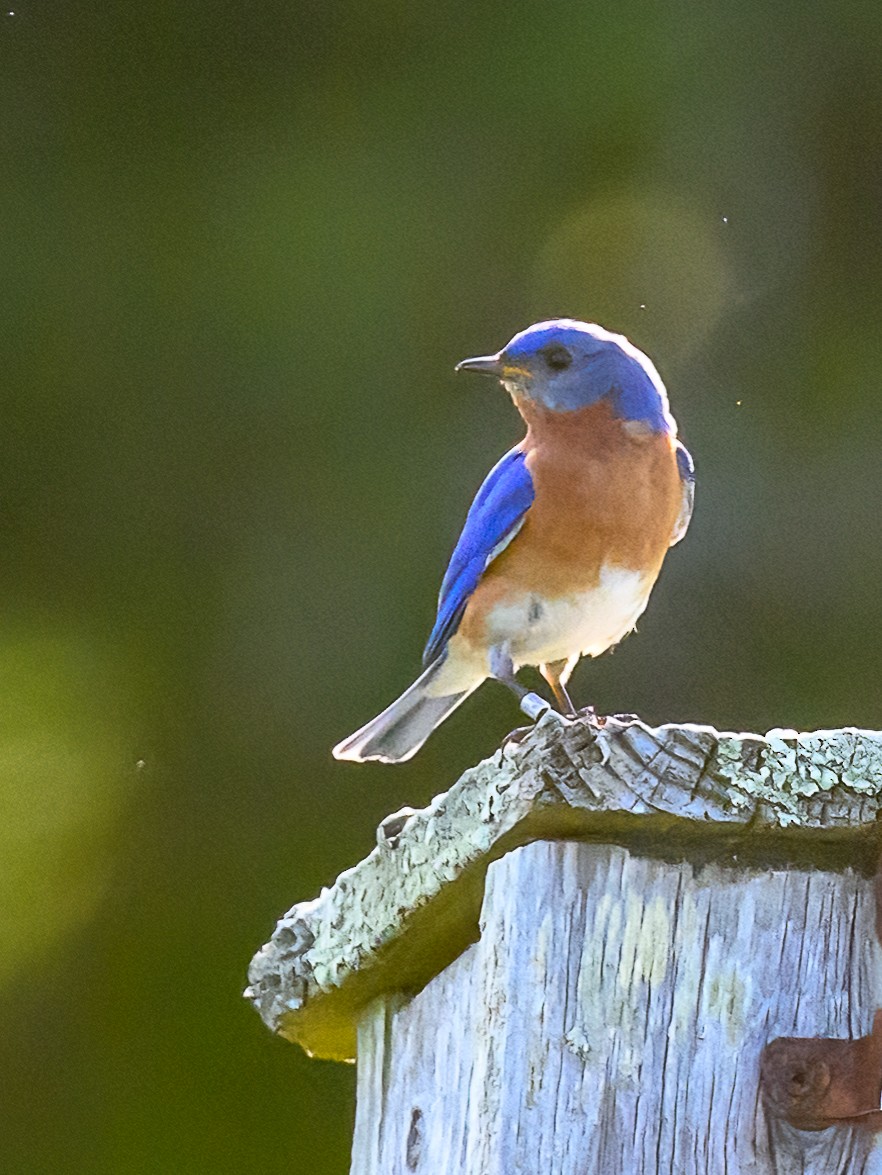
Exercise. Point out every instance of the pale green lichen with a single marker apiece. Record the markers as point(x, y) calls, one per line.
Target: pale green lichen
point(788, 767)
point(555, 784)
point(726, 998)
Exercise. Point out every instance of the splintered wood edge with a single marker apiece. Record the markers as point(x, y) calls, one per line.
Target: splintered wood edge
point(399, 917)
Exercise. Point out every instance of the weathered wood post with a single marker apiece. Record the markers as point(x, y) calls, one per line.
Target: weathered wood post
point(608, 950)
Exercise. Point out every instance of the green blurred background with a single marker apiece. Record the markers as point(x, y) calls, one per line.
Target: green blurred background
point(242, 248)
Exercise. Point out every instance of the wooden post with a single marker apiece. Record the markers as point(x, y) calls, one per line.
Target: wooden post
point(608, 951)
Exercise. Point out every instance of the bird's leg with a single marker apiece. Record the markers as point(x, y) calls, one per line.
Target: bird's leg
point(554, 673)
point(502, 669)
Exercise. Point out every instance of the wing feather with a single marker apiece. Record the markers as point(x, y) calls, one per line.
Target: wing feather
point(495, 517)
point(686, 467)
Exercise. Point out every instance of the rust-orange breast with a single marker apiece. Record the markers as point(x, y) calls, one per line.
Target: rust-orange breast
point(607, 494)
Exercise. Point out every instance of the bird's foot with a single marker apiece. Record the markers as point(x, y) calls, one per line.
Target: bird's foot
point(543, 713)
point(513, 739)
point(540, 711)
point(591, 716)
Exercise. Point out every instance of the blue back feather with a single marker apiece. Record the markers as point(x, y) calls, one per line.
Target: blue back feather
point(492, 522)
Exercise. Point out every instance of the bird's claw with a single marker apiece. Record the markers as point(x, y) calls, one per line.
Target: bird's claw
point(590, 715)
point(545, 713)
point(517, 735)
point(513, 739)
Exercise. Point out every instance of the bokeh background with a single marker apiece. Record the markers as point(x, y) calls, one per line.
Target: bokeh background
point(242, 248)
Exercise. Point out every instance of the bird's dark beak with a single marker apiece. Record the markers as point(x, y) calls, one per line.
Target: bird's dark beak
point(485, 364)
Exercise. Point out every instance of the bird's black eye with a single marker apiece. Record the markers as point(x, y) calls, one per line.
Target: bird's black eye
point(558, 358)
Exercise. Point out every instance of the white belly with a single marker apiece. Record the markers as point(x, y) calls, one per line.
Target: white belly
point(537, 630)
point(534, 630)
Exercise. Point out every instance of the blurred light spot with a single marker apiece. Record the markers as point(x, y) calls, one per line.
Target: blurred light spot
point(593, 265)
point(61, 788)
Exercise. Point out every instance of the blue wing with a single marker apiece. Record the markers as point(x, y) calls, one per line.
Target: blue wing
point(686, 469)
point(495, 517)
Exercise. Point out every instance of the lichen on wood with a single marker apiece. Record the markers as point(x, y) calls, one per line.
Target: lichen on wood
point(409, 909)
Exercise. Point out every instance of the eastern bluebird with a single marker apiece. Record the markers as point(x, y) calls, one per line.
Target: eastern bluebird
point(566, 537)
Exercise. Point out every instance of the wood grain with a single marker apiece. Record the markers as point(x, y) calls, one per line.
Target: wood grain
point(611, 1020)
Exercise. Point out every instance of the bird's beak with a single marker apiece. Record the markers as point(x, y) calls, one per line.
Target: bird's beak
point(485, 364)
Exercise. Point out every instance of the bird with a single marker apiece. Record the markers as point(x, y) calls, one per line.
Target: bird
point(565, 538)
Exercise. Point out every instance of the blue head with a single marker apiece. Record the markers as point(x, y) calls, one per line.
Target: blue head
point(564, 365)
